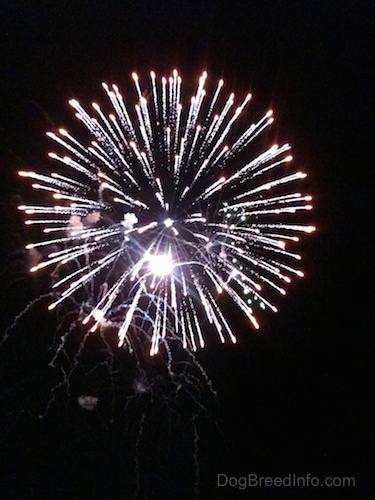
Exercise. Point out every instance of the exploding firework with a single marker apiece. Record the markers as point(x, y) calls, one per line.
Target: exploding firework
point(164, 211)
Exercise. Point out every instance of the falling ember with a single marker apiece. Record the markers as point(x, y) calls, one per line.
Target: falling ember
point(88, 402)
point(170, 201)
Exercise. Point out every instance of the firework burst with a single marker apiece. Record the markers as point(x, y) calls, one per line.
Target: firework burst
point(164, 211)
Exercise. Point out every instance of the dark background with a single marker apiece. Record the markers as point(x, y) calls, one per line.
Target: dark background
point(294, 398)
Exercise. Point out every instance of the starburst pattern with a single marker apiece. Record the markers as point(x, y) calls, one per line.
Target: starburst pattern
point(165, 210)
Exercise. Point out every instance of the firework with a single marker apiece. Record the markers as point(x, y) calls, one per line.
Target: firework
point(164, 212)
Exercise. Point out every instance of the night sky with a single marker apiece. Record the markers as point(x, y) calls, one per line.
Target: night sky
point(293, 398)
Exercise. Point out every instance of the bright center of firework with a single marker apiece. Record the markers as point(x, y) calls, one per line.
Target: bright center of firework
point(160, 265)
point(168, 222)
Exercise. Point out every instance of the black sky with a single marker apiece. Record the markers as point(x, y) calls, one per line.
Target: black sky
point(296, 397)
